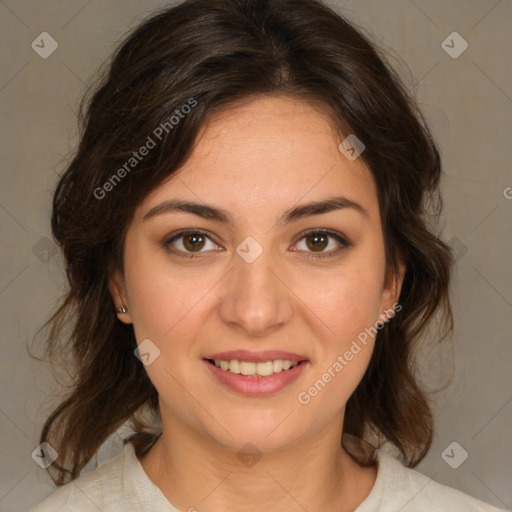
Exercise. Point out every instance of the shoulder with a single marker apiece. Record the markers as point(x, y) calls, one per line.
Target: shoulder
point(100, 489)
point(117, 485)
point(409, 490)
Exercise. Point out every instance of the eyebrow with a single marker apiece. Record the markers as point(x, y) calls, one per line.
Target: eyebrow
point(217, 214)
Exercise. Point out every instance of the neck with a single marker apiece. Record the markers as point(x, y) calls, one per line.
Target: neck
point(195, 472)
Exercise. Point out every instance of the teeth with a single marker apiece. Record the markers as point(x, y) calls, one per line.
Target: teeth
point(234, 366)
point(278, 365)
point(247, 368)
point(263, 369)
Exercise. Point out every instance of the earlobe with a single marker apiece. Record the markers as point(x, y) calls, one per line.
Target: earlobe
point(389, 304)
point(399, 280)
point(118, 293)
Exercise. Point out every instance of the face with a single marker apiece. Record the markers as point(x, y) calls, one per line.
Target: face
point(258, 279)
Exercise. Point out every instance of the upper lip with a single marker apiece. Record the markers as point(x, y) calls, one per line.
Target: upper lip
point(256, 357)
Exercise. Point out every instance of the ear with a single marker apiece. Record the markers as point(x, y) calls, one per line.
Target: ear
point(391, 292)
point(118, 293)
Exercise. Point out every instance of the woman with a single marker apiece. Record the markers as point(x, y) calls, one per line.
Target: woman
point(250, 270)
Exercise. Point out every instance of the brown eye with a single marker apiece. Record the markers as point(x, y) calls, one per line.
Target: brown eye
point(188, 242)
point(194, 242)
point(317, 242)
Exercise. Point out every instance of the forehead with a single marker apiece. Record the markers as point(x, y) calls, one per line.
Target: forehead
point(265, 155)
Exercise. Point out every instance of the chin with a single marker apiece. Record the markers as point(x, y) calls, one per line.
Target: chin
point(266, 432)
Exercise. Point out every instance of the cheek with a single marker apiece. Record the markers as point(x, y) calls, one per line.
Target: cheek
point(347, 301)
point(161, 305)
point(158, 298)
point(169, 304)
point(168, 309)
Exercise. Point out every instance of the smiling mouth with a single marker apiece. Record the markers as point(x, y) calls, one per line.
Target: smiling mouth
point(253, 369)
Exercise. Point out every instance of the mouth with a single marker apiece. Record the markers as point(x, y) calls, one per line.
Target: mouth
point(255, 368)
point(256, 374)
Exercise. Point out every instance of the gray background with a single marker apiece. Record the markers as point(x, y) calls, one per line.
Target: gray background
point(467, 100)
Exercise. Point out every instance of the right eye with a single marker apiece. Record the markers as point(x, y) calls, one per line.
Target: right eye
point(187, 242)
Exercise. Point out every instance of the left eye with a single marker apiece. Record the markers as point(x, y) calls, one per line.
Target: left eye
point(317, 241)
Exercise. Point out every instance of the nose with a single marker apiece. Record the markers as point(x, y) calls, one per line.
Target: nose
point(256, 299)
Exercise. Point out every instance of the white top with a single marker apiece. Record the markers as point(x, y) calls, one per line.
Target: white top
point(121, 485)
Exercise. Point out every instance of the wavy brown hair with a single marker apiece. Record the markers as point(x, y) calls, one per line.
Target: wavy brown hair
point(218, 53)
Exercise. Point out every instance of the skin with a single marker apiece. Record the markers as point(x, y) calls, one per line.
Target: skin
point(257, 160)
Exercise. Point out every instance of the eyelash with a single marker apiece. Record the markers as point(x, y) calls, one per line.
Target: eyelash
point(345, 244)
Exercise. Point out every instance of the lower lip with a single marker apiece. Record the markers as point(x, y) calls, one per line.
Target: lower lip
point(256, 385)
